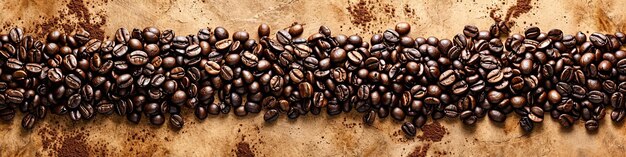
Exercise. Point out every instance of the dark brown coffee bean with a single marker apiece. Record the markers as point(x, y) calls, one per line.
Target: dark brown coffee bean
point(599, 40)
point(470, 31)
point(403, 28)
point(124, 80)
point(495, 76)
point(16, 35)
point(138, 58)
point(526, 124)
point(398, 114)
point(447, 78)
point(532, 32)
point(249, 59)
point(264, 30)
point(566, 120)
point(283, 37)
point(72, 81)
point(409, 129)
point(391, 36)
point(617, 115)
point(369, 117)
point(497, 116)
point(157, 119)
point(591, 125)
point(271, 115)
point(28, 122)
point(177, 121)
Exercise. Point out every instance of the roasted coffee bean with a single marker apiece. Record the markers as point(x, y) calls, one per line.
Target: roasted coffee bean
point(157, 119)
point(16, 35)
point(369, 117)
point(447, 78)
point(526, 124)
point(271, 115)
point(591, 125)
point(497, 116)
point(391, 36)
point(138, 58)
point(598, 39)
point(403, 28)
point(398, 114)
point(470, 31)
point(409, 129)
point(249, 59)
point(263, 30)
point(177, 121)
point(28, 122)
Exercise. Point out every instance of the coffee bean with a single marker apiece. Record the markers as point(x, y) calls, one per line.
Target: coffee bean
point(470, 31)
point(403, 28)
point(177, 121)
point(28, 121)
point(263, 30)
point(497, 116)
point(138, 58)
point(617, 115)
point(596, 96)
point(494, 76)
point(598, 40)
point(397, 114)
point(526, 124)
point(532, 32)
point(271, 115)
point(16, 35)
point(409, 129)
point(391, 36)
point(338, 55)
point(591, 125)
point(283, 37)
point(249, 59)
point(447, 78)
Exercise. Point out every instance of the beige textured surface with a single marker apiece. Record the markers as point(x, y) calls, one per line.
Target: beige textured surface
point(342, 135)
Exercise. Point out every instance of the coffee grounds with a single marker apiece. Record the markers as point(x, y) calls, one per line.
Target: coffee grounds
point(361, 14)
point(78, 8)
point(433, 132)
point(496, 17)
point(243, 150)
point(84, 19)
point(74, 146)
point(522, 7)
point(420, 151)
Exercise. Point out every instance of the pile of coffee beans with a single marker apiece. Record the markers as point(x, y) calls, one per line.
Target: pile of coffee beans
point(156, 74)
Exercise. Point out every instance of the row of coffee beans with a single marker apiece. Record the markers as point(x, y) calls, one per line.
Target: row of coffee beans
point(155, 74)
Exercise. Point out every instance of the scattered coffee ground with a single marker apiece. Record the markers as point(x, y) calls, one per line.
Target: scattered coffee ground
point(433, 132)
point(365, 13)
point(420, 151)
point(243, 150)
point(361, 14)
point(74, 146)
point(495, 16)
point(522, 7)
point(92, 23)
point(78, 8)
point(48, 137)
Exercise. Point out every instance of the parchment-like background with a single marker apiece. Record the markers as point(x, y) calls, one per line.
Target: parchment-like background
point(342, 135)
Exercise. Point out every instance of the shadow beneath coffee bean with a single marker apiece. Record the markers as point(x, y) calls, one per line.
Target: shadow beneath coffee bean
point(570, 129)
point(472, 128)
point(617, 124)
